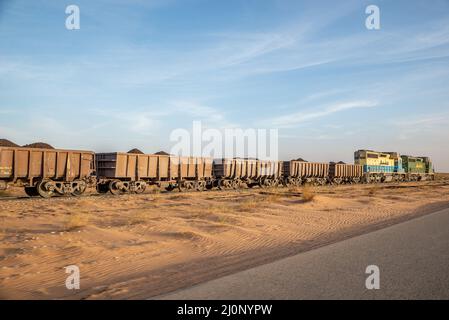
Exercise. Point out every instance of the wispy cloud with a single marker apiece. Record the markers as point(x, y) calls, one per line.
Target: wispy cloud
point(304, 116)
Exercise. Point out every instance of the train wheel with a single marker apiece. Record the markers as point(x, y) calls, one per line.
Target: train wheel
point(182, 187)
point(45, 189)
point(79, 188)
point(265, 183)
point(31, 191)
point(140, 187)
point(200, 186)
point(116, 187)
point(170, 188)
point(191, 185)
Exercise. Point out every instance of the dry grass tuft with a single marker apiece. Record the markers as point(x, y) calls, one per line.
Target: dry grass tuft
point(248, 204)
point(308, 194)
point(76, 221)
point(218, 208)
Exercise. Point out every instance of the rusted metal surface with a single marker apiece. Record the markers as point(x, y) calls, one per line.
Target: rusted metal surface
point(340, 170)
point(23, 166)
point(133, 167)
point(246, 168)
point(270, 168)
point(299, 169)
point(228, 168)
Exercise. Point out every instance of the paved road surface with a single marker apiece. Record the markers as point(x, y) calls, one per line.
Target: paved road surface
point(413, 258)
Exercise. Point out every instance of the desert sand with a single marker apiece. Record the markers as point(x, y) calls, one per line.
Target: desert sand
point(140, 246)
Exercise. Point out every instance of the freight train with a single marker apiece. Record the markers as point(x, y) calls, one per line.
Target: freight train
point(49, 172)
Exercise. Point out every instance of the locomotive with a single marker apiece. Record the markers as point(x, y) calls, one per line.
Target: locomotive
point(49, 172)
point(391, 166)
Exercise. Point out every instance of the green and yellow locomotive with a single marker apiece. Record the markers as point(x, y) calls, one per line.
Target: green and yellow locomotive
point(418, 168)
point(391, 166)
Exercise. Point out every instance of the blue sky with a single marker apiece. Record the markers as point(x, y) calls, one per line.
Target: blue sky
point(138, 69)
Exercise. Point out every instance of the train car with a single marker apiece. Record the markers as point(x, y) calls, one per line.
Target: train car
point(377, 166)
point(300, 172)
point(120, 172)
point(345, 173)
point(234, 173)
point(269, 173)
point(418, 168)
point(399, 173)
point(47, 172)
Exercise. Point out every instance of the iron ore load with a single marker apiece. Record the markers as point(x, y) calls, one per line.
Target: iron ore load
point(47, 172)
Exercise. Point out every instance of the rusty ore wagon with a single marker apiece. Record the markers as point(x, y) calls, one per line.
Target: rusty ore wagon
point(120, 172)
point(234, 173)
point(47, 172)
point(345, 173)
point(301, 172)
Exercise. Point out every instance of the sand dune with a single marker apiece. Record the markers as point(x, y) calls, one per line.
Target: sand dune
point(139, 246)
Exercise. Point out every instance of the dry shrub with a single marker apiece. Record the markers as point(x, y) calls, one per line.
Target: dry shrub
point(248, 204)
point(308, 194)
point(252, 203)
point(76, 221)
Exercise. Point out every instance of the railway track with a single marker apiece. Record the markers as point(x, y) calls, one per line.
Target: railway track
point(393, 185)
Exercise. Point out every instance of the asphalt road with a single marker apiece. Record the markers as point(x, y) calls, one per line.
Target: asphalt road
point(413, 260)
